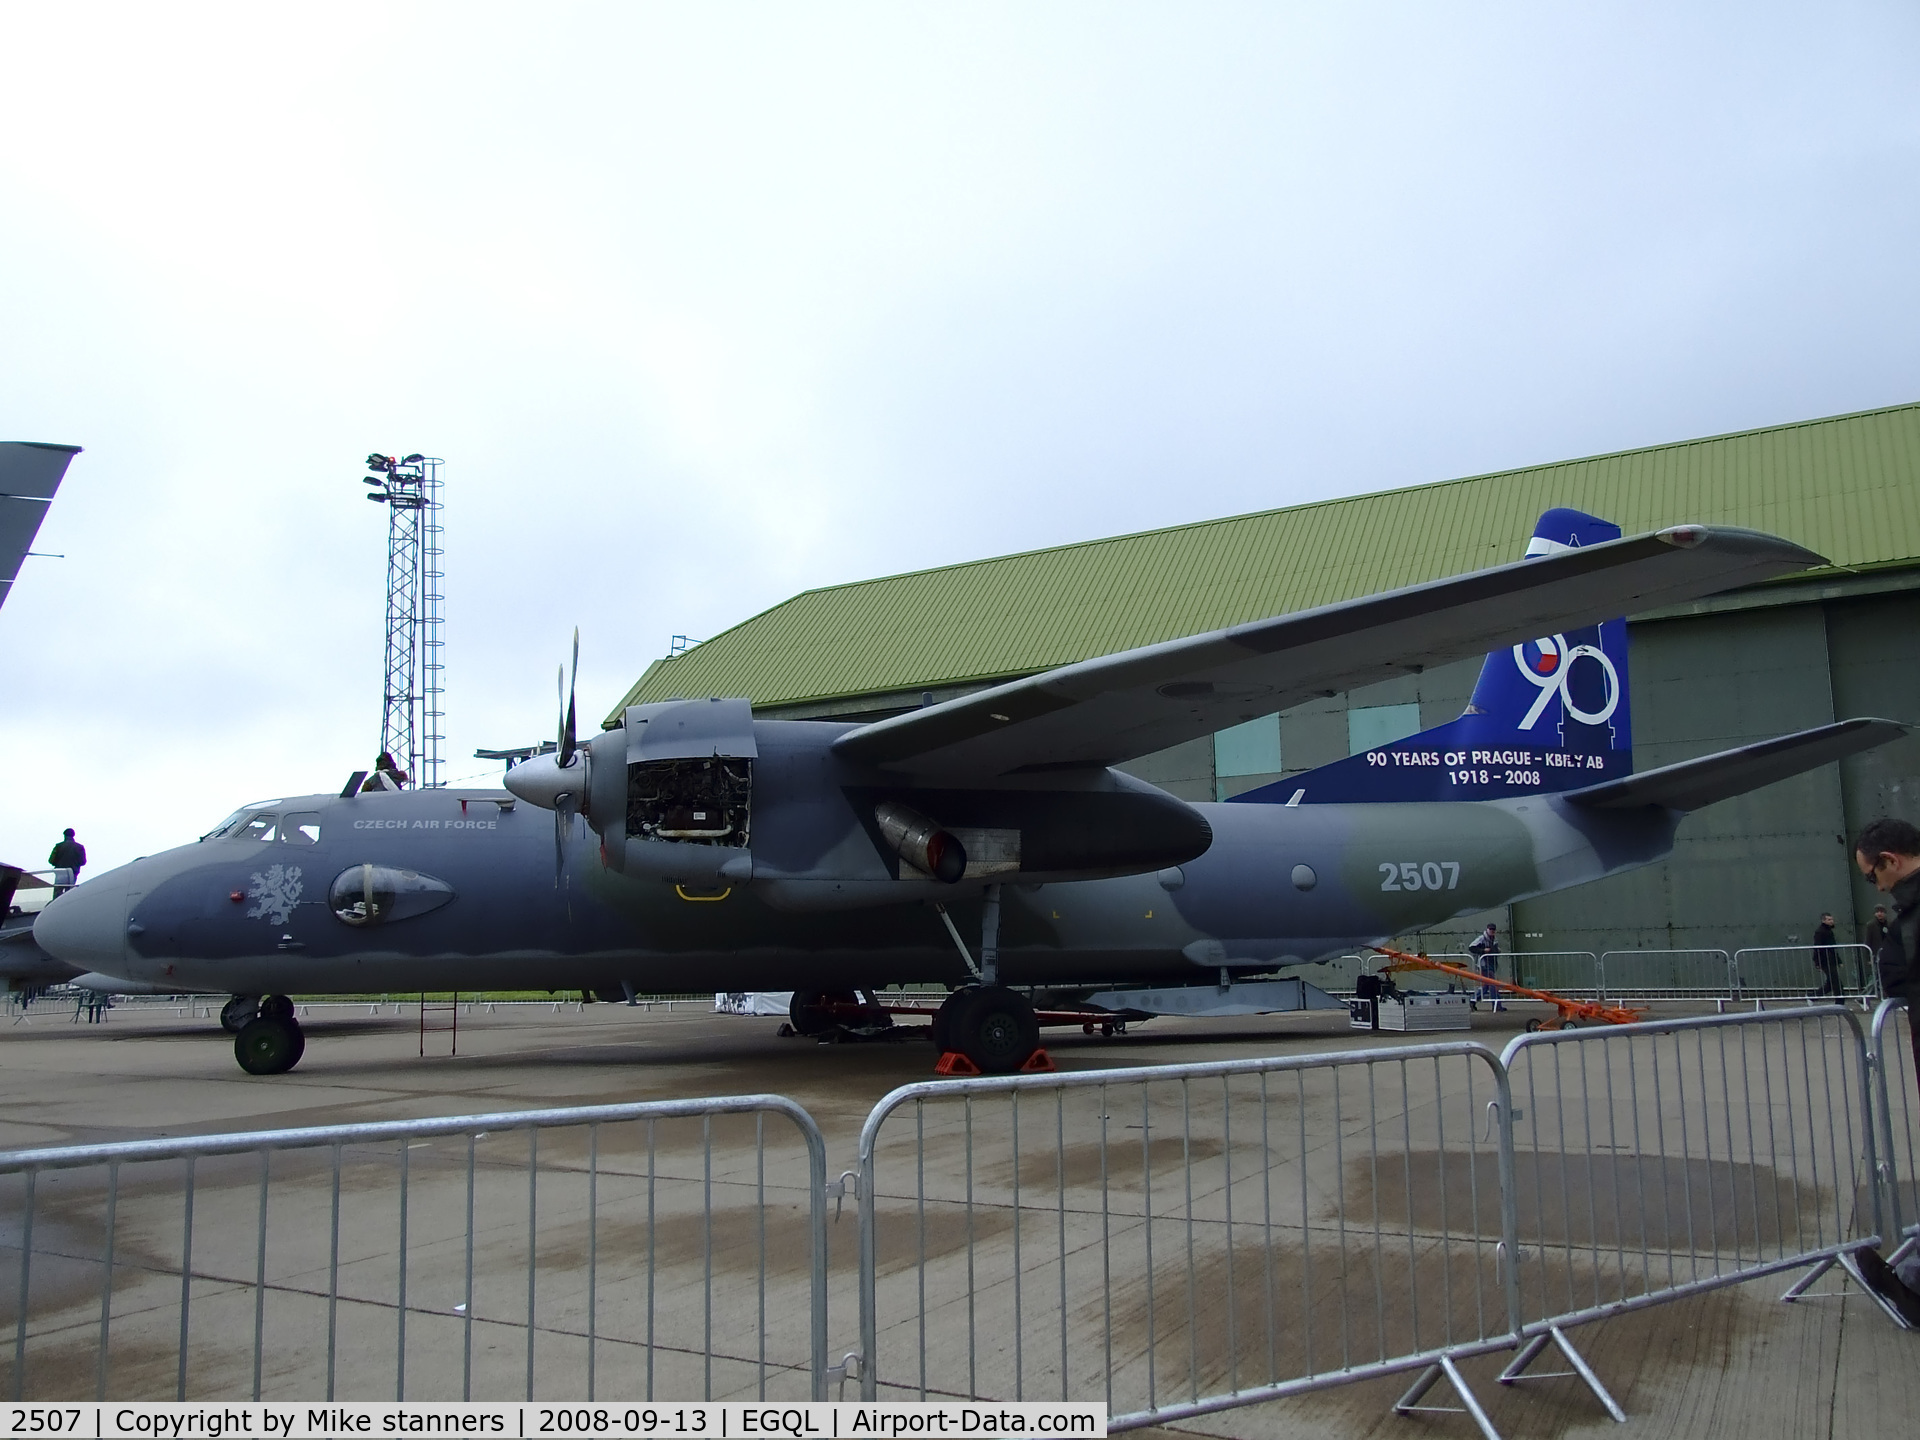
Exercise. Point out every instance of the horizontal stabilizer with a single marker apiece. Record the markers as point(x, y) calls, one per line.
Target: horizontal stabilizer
point(1694, 783)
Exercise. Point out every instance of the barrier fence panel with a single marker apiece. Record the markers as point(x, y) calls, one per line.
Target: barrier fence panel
point(1667, 975)
point(1185, 1238)
point(1574, 973)
point(1795, 970)
point(1896, 1066)
point(1661, 1159)
point(675, 1248)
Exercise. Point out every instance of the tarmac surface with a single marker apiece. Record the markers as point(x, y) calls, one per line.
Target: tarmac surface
point(1730, 1362)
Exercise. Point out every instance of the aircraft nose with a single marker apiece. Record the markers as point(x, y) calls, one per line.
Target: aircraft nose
point(540, 780)
point(87, 926)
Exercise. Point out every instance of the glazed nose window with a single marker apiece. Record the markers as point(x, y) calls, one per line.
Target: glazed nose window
point(379, 894)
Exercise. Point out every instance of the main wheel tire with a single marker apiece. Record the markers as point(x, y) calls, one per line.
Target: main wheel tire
point(276, 1007)
point(807, 1013)
point(237, 1012)
point(996, 1029)
point(269, 1046)
point(942, 1025)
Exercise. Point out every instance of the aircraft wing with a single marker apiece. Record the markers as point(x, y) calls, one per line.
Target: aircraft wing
point(1693, 783)
point(1104, 711)
point(29, 475)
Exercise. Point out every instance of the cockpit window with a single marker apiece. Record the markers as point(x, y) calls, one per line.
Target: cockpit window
point(232, 822)
point(301, 829)
point(375, 894)
point(260, 827)
point(235, 825)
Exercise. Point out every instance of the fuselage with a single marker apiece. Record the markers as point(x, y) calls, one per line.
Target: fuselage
point(269, 906)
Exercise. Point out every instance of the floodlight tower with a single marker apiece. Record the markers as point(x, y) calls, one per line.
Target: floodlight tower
point(411, 719)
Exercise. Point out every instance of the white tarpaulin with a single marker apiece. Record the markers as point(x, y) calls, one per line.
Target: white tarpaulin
point(752, 1002)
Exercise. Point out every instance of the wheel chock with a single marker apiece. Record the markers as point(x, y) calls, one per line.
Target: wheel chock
point(1038, 1063)
point(954, 1063)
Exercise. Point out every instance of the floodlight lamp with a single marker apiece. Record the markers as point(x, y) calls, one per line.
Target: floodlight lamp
point(369, 480)
point(413, 459)
point(378, 495)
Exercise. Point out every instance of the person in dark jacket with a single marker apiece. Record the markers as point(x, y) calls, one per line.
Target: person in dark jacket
point(1875, 932)
point(1823, 956)
point(1888, 854)
point(68, 855)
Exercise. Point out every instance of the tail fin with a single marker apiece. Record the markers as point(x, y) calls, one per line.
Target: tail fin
point(1548, 715)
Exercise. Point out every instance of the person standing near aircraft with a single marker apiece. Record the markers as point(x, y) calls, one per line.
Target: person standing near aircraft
point(67, 857)
point(1823, 957)
point(1888, 854)
point(1486, 953)
point(1876, 931)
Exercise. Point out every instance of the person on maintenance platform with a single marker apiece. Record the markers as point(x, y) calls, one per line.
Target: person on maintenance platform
point(66, 857)
point(1888, 854)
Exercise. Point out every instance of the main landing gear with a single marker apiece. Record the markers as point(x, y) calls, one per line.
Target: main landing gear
point(237, 1012)
point(271, 1043)
point(992, 1026)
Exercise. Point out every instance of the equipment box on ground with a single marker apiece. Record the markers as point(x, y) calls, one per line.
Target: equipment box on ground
point(1410, 1012)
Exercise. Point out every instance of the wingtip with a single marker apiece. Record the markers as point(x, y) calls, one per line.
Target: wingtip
point(1732, 538)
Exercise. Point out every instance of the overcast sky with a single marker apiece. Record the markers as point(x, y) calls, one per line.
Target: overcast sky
point(708, 304)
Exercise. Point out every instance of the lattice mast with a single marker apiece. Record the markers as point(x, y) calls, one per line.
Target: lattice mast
point(412, 713)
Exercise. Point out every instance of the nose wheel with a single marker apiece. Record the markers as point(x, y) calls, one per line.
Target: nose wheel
point(272, 1042)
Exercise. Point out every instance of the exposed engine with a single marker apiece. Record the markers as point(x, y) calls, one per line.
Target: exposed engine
point(703, 801)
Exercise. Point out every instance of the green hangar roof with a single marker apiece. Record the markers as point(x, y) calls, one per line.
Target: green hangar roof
point(1848, 487)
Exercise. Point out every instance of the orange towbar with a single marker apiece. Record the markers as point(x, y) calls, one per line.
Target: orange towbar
point(1569, 1014)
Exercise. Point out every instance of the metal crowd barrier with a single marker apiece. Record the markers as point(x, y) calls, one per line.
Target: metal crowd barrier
point(1898, 1105)
point(1666, 975)
point(1659, 1160)
point(1565, 972)
point(1185, 1238)
point(1761, 971)
point(670, 1238)
point(1182, 1239)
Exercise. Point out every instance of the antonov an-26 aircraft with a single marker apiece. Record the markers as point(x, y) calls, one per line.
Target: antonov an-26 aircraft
point(987, 843)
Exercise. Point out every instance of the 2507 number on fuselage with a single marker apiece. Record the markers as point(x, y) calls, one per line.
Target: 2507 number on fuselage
point(1419, 874)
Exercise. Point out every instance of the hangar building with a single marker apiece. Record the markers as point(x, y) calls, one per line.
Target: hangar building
point(1839, 642)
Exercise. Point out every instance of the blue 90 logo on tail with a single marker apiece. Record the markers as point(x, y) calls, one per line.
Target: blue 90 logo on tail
point(1549, 714)
point(1549, 663)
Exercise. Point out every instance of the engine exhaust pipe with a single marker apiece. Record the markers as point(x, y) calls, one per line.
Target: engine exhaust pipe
point(920, 842)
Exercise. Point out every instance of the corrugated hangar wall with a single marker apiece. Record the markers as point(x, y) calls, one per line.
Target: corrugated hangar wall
point(1758, 870)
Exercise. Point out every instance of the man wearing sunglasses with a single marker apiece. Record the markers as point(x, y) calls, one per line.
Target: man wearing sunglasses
point(1888, 854)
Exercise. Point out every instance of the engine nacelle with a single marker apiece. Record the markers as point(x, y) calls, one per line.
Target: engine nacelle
point(920, 842)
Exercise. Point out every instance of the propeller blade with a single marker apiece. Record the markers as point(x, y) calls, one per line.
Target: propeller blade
point(568, 741)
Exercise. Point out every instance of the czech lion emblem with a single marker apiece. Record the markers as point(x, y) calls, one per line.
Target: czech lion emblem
point(277, 892)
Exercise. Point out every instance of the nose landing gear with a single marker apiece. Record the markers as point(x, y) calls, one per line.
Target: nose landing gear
point(272, 1042)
